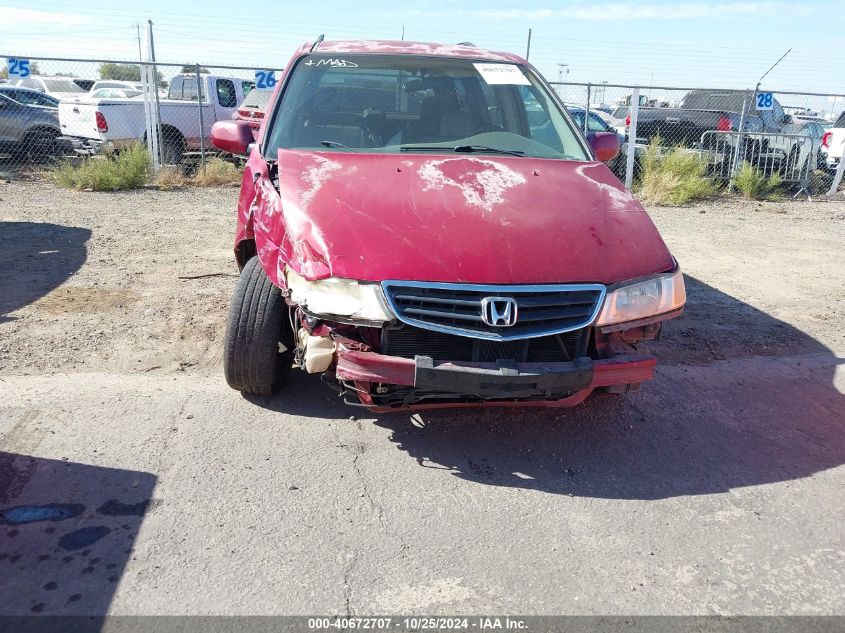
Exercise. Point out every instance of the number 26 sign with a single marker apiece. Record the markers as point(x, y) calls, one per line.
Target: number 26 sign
point(265, 79)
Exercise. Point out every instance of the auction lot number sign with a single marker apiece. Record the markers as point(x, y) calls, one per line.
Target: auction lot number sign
point(764, 101)
point(18, 67)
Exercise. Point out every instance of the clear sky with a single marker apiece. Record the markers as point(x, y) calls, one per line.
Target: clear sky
point(721, 43)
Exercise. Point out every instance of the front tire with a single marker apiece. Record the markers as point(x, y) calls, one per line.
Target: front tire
point(40, 145)
point(258, 348)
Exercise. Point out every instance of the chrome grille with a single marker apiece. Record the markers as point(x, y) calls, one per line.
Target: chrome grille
point(457, 309)
point(407, 341)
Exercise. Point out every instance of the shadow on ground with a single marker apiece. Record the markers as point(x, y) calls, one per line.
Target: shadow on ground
point(35, 258)
point(66, 533)
point(740, 399)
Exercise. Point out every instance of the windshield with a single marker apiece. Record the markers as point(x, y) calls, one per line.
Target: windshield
point(257, 99)
point(405, 103)
point(61, 85)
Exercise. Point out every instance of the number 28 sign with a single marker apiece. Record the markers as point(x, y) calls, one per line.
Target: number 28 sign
point(764, 100)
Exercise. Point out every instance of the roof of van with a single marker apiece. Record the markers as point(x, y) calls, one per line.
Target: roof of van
point(396, 47)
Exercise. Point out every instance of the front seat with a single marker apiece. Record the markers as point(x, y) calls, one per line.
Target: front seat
point(427, 128)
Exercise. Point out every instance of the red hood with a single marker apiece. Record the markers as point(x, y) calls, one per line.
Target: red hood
point(478, 219)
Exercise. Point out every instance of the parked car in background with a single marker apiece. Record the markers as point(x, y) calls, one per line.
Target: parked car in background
point(701, 111)
point(59, 87)
point(29, 123)
point(833, 144)
point(28, 96)
point(114, 93)
point(599, 121)
point(119, 122)
point(85, 84)
point(424, 226)
point(115, 83)
point(253, 108)
point(807, 155)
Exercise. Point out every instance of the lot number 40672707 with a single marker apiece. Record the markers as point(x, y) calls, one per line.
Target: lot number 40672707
point(18, 67)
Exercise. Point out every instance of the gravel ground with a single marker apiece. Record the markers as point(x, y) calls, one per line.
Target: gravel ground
point(715, 489)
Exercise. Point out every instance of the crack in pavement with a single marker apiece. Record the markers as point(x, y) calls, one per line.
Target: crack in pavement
point(347, 584)
point(356, 450)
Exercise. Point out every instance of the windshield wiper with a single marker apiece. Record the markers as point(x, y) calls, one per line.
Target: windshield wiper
point(335, 144)
point(484, 148)
point(459, 148)
point(424, 148)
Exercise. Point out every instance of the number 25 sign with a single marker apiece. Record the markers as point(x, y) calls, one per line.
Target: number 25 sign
point(18, 67)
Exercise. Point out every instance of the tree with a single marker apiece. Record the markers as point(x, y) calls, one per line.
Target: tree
point(193, 69)
point(120, 72)
point(127, 72)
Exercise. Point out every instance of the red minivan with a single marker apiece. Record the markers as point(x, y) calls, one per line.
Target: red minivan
point(424, 225)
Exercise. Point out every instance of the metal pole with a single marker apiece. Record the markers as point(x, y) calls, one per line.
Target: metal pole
point(738, 148)
point(528, 48)
point(632, 138)
point(155, 90)
point(202, 133)
point(587, 110)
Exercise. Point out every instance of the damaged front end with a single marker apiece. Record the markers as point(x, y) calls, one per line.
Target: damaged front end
point(401, 345)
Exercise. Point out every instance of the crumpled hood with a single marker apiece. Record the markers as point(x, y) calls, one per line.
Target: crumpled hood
point(472, 219)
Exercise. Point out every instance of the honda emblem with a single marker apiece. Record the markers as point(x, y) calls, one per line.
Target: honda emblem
point(498, 311)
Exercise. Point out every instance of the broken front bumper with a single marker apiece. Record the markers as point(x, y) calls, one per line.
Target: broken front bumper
point(488, 384)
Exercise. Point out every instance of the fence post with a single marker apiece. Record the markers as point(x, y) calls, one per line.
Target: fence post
point(735, 165)
point(587, 112)
point(632, 138)
point(200, 92)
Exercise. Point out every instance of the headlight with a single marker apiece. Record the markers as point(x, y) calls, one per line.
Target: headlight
point(334, 297)
point(643, 299)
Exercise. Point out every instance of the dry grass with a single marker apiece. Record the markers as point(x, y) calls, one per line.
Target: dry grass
point(125, 170)
point(674, 178)
point(217, 172)
point(753, 183)
point(169, 177)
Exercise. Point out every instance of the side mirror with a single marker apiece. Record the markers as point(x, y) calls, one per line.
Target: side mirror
point(605, 145)
point(233, 137)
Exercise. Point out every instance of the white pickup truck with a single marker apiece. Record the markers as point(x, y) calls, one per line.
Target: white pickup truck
point(113, 123)
point(833, 144)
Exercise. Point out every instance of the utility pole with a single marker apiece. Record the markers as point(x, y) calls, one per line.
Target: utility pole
point(528, 49)
point(403, 32)
point(158, 150)
point(138, 31)
point(561, 68)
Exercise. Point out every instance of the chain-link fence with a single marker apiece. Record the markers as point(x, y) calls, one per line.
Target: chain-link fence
point(55, 108)
point(797, 136)
point(51, 108)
